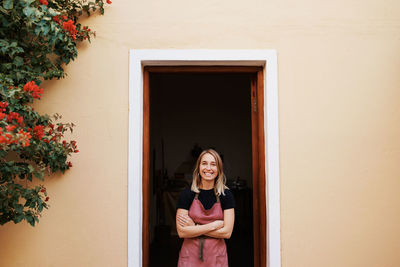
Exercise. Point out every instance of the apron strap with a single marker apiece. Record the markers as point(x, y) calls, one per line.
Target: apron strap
point(201, 245)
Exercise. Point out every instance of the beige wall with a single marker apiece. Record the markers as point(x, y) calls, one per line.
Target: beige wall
point(339, 116)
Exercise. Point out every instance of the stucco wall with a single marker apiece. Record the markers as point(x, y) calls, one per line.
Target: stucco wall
point(339, 116)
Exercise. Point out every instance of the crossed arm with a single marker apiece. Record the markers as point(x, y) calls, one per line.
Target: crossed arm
point(186, 228)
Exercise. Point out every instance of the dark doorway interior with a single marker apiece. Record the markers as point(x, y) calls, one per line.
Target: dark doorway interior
point(190, 112)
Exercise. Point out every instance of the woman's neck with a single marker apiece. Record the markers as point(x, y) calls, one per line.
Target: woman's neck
point(206, 185)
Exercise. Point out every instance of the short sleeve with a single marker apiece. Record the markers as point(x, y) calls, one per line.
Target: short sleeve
point(185, 199)
point(227, 201)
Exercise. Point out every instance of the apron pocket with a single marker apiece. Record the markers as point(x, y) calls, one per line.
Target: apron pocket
point(184, 262)
point(221, 261)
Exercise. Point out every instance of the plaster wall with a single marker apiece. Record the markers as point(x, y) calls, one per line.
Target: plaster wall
point(339, 121)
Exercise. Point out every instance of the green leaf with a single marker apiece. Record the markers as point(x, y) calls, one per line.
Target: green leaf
point(31, 168)
point(3, 10)
point(8, 4)
point(19, 208)
point(45, 29)
point(30, 219)
point(18, 61)
point(28, 11)
point(39, 175)
point(52, 12)
point(19, 218)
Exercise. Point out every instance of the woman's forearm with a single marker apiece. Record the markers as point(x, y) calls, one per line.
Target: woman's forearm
point(226, 230)
point(223, 232)
point(195, 230)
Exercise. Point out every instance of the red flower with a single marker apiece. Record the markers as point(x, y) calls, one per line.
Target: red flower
point(2, 115)
point(47, 199)
point(109, 2)
point(43, 190)
point(51, 126)
point(14, 116)
point(38, 93)
point(69, 164)
point(70, 27)
point(3, 105)
point(9, 136)
point(56, 19)
point(44, 2)
point(10, 128)
point(39, 132)
point(24, 137)
point(59, 128)
point(31, 87)
point(76, 151)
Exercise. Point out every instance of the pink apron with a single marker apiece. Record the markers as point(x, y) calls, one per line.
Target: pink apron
point(204, 250)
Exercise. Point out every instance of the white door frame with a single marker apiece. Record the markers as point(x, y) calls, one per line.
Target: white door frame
point(139, 58)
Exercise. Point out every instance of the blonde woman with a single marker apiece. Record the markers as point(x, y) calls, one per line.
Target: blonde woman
point(205, 214)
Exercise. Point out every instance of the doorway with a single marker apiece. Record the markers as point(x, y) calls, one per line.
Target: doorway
point(187, 109)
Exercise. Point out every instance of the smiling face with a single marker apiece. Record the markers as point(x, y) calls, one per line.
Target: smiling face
point(208, 167)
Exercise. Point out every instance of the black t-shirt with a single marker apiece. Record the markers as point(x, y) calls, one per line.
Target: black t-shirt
point(207, 198)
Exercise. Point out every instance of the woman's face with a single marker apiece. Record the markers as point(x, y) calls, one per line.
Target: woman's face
point(208, 167)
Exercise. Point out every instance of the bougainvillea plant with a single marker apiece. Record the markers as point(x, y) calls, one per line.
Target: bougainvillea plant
point(37, 39)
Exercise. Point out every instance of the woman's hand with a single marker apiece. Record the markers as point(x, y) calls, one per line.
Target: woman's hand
point(184, 220)
point(218, 224)
point(226, 230)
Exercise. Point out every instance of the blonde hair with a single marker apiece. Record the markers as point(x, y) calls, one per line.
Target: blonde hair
point(220, 180)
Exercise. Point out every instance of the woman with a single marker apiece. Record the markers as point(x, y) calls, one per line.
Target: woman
point(205, 214)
